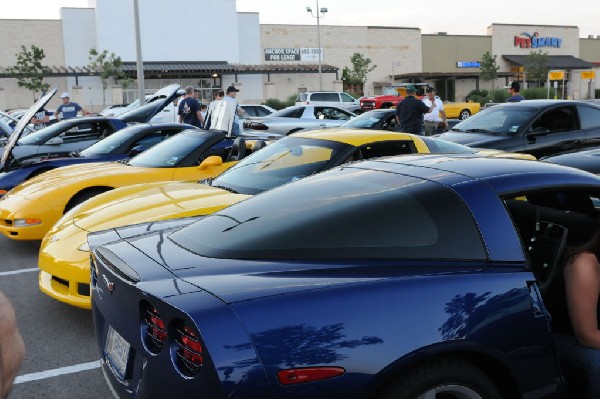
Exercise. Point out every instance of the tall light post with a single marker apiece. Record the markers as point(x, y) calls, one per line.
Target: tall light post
point(320, 14)
point(138, 48)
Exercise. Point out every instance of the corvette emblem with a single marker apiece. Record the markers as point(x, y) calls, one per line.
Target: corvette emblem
point(109, 285)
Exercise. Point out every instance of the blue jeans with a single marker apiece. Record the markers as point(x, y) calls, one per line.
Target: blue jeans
point(580, 365)
point(235, 129)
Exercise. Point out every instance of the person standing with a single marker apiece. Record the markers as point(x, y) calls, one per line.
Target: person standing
point(409, 112)
point(211, 107)
point(435, 118)
point(68, 109)
point(189, 109)
point(513, 89)
point(41, 119)
point(230, 97)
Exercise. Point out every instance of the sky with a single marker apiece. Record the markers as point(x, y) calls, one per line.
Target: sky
point(456, 17)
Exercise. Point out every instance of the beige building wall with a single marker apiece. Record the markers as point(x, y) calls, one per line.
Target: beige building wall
point(393, 50)
point(45, 34)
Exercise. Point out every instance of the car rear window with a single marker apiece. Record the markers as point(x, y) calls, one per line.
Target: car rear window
point(329, 97)
point(346, 213)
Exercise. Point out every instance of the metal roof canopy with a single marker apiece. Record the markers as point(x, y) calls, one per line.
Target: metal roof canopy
point(554, 61)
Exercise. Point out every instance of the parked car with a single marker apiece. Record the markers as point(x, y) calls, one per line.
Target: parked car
point(391, 96)
point(585, 159)
point(62, 138)
point(166, 115)
point(537, 127)
point(296, 118)
point(330, 98)
point(382, 119)
point(461, 110)
point(120, 145)
point(63, 254)
point(352, 283)
point(30, 209)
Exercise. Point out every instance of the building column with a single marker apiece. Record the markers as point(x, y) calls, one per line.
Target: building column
point(268, 90)
point(3, 104)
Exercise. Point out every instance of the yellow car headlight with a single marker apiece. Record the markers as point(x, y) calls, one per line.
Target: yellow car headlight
point(26, 222)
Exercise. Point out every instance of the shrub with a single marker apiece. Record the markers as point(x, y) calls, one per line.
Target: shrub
point(279, 104)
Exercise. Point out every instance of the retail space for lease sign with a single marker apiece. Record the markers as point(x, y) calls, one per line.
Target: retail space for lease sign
point(292, 54)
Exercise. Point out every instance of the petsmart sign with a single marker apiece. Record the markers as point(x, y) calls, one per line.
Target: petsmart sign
point(534, 40)
point(292, 54)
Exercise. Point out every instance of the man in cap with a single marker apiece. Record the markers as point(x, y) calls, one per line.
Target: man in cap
point(410, 111)
point(513, 89)
point(230, 97)
point(68, 109)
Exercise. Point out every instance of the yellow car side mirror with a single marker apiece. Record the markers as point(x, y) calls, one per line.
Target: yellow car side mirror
point(213, 160)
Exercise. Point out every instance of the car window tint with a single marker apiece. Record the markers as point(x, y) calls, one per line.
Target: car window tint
point(346, 98)
point(387, 148)
point(301, 97)
point(557, 120)
point(291, 112)
point(153, 138)
point(589, 117)
point(261, 111)
point(346, 213)
point(331, 97)
point(499, 119)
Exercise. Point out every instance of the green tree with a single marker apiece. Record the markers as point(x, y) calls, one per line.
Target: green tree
point(536, 66)
point(29, 70)
point(489, 69)
point(109, 67)
point(358, 74)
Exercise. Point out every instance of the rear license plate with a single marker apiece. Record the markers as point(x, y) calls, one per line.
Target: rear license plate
point(117, 351)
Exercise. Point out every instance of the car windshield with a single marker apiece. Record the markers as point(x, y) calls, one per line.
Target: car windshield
point(290, 112)
point(107, 145)
point(43, 135)
point(173, 151)
point(367, 120)
point(285, 160)
point(498, 119)
point(390, 91)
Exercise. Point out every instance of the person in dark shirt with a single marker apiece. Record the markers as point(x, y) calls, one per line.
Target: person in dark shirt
point(189, 109)
point(410, 111)
point(513, 89)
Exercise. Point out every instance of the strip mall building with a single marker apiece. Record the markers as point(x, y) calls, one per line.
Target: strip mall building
point(275, 61)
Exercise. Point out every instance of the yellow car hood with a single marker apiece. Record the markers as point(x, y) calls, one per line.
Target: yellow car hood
point(103, 174)
point(152, 202)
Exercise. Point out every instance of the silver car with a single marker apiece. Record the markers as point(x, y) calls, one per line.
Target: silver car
point(296, 118)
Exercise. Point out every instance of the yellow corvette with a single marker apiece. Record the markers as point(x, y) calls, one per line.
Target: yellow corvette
point(29, 210)
point(461, 110)
point(64, 257)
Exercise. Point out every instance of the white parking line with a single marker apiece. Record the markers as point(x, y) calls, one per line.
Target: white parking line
point(33, 269)
point(42, 375)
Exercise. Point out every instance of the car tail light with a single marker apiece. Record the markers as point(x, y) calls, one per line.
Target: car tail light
point(190, 355)
point(155, 331)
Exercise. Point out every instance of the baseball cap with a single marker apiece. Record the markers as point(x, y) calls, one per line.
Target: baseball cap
point(231, 89)
point(65, 95)
point(513, 85)
point(411, 89)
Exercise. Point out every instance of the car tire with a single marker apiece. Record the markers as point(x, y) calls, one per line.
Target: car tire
point(464, 114)
point(84, 196)
point(444, 377)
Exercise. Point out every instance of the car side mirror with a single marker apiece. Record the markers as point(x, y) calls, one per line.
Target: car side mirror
point(212, 161)
point(540, 131)
point(55, 141)
point(136, 150)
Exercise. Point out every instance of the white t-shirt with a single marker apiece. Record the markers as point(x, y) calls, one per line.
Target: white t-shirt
point(435, 115)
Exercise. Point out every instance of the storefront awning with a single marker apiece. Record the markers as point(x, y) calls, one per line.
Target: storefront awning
point(554, 61)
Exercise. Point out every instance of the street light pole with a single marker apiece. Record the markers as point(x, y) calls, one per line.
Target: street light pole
point(320, 14)
point(138, 47)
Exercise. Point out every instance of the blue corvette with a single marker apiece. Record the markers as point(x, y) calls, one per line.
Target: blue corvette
point(418, 276)
point(123, 144)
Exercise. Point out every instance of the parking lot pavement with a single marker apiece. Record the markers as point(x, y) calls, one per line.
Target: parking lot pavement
point(62, 355)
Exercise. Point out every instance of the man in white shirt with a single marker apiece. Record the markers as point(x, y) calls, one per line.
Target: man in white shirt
point(435, 118)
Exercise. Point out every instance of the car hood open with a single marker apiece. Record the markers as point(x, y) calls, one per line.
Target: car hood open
point(22, 124)
point(154, 104)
